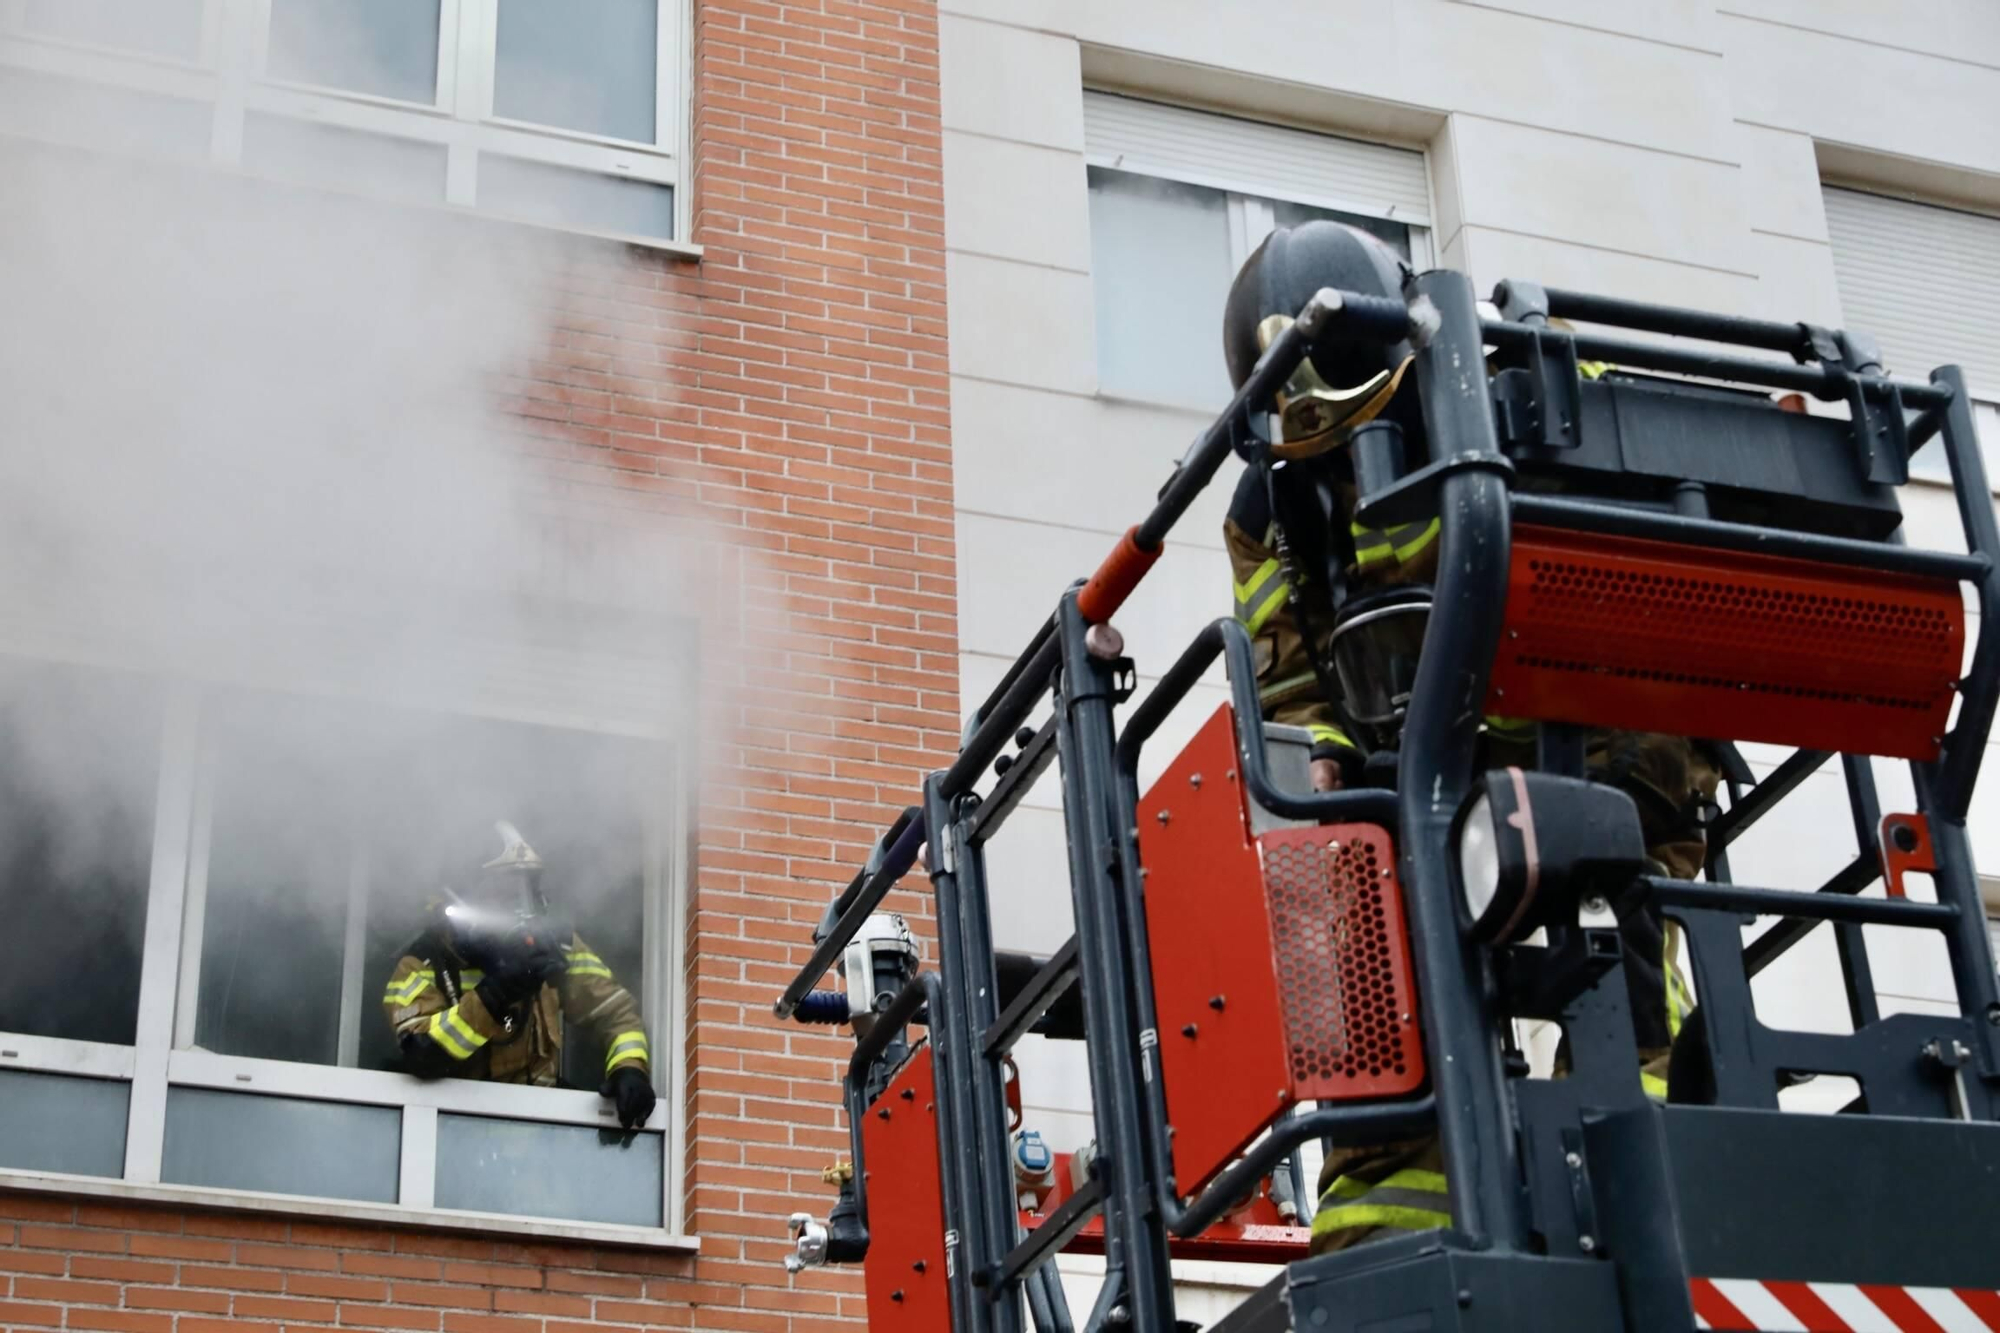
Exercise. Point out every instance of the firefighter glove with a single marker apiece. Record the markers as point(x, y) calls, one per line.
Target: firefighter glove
point(632, 1093)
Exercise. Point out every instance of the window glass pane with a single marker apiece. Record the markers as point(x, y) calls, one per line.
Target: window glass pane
point(560, 197)
point(281, 1145)
point(1160, 263)
point(342, 159)
point(591, 67)
point(335, 828)
point(388, 48)
point(1291, 215)
point(86, 115)
point(78, 761)
point(513, 1166)
point(49, 1122)
point(156, 27)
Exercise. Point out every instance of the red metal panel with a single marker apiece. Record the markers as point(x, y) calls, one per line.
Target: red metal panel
point(904, 1271)
point(1222, 1035)
point(1348, 996)
point(1280, 965)
point(1658, 636)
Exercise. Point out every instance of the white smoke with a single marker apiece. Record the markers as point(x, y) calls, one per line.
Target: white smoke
point(261, 442)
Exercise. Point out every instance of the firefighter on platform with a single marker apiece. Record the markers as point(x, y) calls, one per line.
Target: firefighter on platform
point(485, 991)
point(1305, 571)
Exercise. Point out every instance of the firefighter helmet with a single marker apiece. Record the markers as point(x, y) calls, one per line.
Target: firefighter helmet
point(1344, 382)
point(514, 874)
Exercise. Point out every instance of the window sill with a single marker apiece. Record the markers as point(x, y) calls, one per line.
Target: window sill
point(346, 1210)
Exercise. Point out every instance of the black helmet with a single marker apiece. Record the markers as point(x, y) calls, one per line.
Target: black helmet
point(1346, 382)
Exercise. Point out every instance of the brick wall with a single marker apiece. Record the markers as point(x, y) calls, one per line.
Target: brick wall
point(789, 389)
point(131, 1269)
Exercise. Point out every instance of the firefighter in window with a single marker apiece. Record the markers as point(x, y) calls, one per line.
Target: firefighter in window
point(485, 991)
point(1306, 573)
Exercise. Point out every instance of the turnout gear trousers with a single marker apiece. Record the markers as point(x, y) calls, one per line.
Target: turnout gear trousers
point(446, 1028)
point(1401, 1185)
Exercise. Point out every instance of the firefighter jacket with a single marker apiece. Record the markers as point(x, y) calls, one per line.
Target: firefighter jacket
point(433, 1003)
point(1287, 686)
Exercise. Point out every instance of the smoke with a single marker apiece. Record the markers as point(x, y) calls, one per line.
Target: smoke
point(255, 452)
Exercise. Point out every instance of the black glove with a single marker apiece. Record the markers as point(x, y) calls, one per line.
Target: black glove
point(633, 1094)
point(520, 966)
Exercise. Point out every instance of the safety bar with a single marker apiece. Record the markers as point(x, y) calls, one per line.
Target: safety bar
point(1831, 383)
point(1371, 805)
point(860, 904)
point(1783, 780)
point(1796, 340)
point(1621, 521)
point(1785, 902)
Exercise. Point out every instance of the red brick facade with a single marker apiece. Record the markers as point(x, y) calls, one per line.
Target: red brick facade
point(791, 387)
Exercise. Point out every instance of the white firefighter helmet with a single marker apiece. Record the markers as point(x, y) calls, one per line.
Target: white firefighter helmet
point(515, 853)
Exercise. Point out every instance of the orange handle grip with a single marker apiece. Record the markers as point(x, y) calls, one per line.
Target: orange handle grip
point(1116, 577)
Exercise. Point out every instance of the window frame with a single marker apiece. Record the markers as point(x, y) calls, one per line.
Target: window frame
point(1248, 204)
point(231, 76)
point(1928, 467)
point(162, 1056)
point(1250, 218)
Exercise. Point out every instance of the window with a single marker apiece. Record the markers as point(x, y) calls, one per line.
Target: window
point(294, 849)
point(1925, 282)
point(1179, 199)
point(538, 110)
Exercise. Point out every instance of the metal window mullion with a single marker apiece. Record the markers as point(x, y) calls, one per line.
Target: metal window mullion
point(666, 934)
point(475, 43)
point(194, 909)
point(65, 1055)
point(1422, 253)
point(211, 31)
point(682, 101)
point(353, 998)
point(666, 65)
point(173, 819)
point(242, 32)
point(416, 1164)
point(445, 95)
point(372, 1087)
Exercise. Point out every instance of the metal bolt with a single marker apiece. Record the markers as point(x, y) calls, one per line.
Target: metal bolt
point(1993, 1015)
point(1464, 1297)
point(1572, 1161)
point(1588, 1244)
point(909, 1094)
point(896, 1295)
point(1024, 735)
point(1163, 816)
point(920, 1265)
point(1103, 642)
point(1194, 780)
point(1595, 906)
point(1215, 1002)
point(883, 1112)
point(1188, 1031)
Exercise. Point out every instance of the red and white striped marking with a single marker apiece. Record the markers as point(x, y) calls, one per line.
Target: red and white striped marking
point(1745, 1305)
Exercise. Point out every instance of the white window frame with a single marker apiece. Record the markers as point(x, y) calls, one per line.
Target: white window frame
point(163, 1057)
point(230, 75)
point(1250, 213)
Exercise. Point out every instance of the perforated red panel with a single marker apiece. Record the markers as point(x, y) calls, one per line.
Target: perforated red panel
point(1343, 966)
point(1655, 636)
point(1280, 968)
point(905, 1270)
